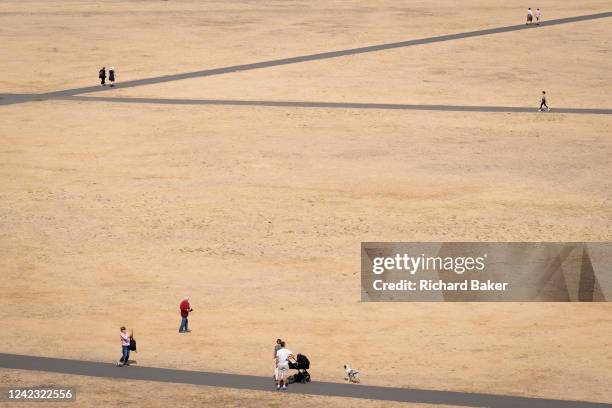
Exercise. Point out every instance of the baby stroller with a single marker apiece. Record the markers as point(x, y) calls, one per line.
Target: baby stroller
point(302, 364)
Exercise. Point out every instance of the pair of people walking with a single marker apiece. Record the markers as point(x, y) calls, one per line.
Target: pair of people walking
point(111, 76)
point(530, 14)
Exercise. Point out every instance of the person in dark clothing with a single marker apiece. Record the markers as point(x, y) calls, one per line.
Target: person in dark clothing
point(102, 76)
point(543, 102)
point(111, 76)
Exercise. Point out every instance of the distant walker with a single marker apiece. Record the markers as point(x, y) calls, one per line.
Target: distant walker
point(185, 308)
point(111, 76)
point(543, 103)
point(102, 76)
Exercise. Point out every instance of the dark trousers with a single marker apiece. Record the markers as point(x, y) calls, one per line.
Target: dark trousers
point(102, 81)
point(543, 103)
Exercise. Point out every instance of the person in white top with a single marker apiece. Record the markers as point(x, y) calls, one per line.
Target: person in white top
point(529, 16)
point(283, 355)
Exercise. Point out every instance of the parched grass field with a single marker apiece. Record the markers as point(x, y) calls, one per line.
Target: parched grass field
point(111, 212)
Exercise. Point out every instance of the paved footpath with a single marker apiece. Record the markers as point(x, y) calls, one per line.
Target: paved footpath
point(335, 105)
point(251, 382)
point(9, 99)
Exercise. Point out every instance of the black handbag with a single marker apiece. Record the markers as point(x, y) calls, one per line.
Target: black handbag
point(132, 344)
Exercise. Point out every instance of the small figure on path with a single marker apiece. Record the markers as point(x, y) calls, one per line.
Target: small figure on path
point(111, 76)
point(529, 16)
point(102, 76)
point(283, 355)
point(277, 347)
point(125, 347)
point(543, 103)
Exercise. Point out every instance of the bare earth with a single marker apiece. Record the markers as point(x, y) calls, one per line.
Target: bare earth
point(110, 213)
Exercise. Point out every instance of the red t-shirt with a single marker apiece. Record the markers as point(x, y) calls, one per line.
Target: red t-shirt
point(185, 308)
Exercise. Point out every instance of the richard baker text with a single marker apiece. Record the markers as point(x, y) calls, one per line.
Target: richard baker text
point(439, 285)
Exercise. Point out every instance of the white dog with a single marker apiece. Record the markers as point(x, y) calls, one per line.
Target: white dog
point(351, 375)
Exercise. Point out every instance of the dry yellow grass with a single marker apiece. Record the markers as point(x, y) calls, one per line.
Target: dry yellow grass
point(109, 213)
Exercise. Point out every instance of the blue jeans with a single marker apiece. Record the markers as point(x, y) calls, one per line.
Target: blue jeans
point(184, 323)
point(125, 354)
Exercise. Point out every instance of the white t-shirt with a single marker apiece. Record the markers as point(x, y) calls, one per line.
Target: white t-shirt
point(529, 13)
point(281, 356)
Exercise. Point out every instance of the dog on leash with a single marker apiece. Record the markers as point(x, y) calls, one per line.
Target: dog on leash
point(352, 376)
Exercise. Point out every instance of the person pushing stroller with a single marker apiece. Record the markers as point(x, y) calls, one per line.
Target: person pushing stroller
point(283, 356)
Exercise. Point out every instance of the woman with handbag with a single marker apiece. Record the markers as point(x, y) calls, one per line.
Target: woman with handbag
point(126, 341)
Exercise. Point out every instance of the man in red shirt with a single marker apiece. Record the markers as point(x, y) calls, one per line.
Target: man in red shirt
point(185, 309)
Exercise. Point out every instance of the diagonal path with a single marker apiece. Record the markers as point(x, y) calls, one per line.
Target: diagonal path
point(304, 58)
point(333, 105)
point(250, 382)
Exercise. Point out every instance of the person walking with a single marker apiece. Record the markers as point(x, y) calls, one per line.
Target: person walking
point(185, 308)
point(102, 76)
point(283, 355)
point(125, 347)
point(277, 347)
point(538, 15)
point(529, 16)
point(111, 76)
point(543, 102)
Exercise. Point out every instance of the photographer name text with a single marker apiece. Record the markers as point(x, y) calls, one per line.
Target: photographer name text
point(414, 264)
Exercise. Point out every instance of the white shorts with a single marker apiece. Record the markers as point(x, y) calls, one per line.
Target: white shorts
point(281, 370)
